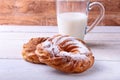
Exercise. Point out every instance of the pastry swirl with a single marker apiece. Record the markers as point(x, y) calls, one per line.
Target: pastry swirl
point(65, 53)
point(29, 48)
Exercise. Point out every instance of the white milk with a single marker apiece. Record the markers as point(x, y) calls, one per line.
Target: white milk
point(73, 24)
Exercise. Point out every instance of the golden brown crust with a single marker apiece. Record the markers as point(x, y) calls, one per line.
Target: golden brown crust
point(61, 52)
point(29, 48)
point(53, 53)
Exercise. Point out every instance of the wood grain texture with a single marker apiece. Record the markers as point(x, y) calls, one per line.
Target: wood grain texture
point(99, 48)
point(112, 12)
point(104, 42)
point(16, 69)
point(43, 12)
point(17, 32)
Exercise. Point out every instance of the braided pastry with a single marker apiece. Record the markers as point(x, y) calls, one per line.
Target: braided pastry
point(29, 48)
point(65, 53)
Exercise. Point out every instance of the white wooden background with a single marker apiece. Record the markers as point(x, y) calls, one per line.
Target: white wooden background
point(104, 42)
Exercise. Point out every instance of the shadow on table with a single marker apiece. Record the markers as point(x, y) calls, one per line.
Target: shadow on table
point(92, 71)
point(96, 45)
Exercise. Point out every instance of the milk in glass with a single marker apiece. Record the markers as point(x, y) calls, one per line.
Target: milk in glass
point(72, 23)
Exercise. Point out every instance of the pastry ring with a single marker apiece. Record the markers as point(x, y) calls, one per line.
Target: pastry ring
point(65, 53)
point(29, 48)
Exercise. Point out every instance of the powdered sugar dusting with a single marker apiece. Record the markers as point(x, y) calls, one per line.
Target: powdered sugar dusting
point(64, 38)
point(53, 48)
point(56, 39)
point(73, 56)
point(50, 47)
point(81, 47)
point(71, 40)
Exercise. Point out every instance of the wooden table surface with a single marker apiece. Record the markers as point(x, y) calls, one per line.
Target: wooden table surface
point(104, 42)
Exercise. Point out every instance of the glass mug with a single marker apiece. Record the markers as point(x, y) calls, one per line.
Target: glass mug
point(72, 17)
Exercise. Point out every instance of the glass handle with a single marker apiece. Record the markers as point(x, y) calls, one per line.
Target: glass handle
point(99, 18)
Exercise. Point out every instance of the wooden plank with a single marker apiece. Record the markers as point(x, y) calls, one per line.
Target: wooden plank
point(28, 12)
point(43, 12)
point(103, 36)
point(105, 50)
point(23, 36)
point(109, 5)
point(29, 29)
point(110, 18)
point(52, 29)
point(90, 36)
point(21, 70)
point(104, 43)
point(102, 50)
point(11, 48)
